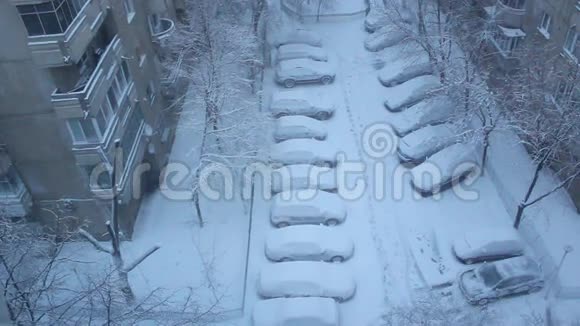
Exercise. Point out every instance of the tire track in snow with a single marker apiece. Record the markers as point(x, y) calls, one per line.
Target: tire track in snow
point(389, 280)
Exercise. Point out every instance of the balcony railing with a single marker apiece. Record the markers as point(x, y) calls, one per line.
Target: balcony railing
point(54, 50)
point(165, 27)
point(90, 96)
point(578, 5)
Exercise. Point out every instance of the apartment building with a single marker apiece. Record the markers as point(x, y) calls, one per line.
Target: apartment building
point(76, 75)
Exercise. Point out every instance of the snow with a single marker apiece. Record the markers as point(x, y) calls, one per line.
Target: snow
point(303, 176)
point(306, 279)
point(307, 207)
point(291, 127)
point(299, 101)
point(404, 69)
point(431, 111)
point(296, 311)
point(511, 32)
point(410, 92)
point(299, 36)
point(300, 151)
point(297, 51)
point(294, 67)
point(428, 140)
point(308, 242)
point(563, 313)
point(384, 37)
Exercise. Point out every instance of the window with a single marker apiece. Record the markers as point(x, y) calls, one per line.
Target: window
point(544, 26)
point(155, 24)
point(85, 130)
point(506, 44)
point(516, 4)
point(566, 95)
point(10, 183)
point(151, 91)
point(52, 17)
point(571, 39)
point(131, 131)
point(129, 9)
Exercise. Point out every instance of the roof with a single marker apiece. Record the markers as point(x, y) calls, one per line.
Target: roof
point(515, 266)
point(511, 32)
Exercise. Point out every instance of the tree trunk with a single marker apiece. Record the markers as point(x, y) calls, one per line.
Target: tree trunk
point(519, 215)
point(484, 155)
point(318, 10)
point(522, 206)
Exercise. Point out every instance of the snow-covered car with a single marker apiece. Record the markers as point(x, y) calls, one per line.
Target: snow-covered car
point(401, 96)
point(431, 111)
point(491, 281)
point(404, 69)
point(303, 176)
point(311, 311)
point(299, 36)
point(563, 312)
point(378, 17)
point(306, 279)
point(293, 127)
point(301, 71)
point(301, 51)
point(309, 242)
point(303, 151)
point(415, 147)
point(488, 244)
point(301, 207)
point(453, 165)
point(299, 102)
point(384, 37)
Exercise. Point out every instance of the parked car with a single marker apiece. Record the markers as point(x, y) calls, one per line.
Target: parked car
point(301, 51)
point(384, 37)
point(431, 111)
point(492, 281)
point(311, 311)
point(300, 207)
point(299, 102)
point(306, 279)
point(300, 36)
point(303, 151)
point(454, 164)
point(294, 127)
point(415, 90)
point(415, 147)
point(378, 17)
point(563, 312)
point(304, 176)
point(404, 69)
point(302, 71)
point(488, 244)
point(309, 242)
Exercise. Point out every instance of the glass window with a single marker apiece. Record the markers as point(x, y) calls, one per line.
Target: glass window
point(89, 130)
point(112, 99)
point(50, 23)
point(53, 17)
point(33, 25)
point(129, 138)
point(129, 8)
point(545, 22)
point(571, 38)
point(76, 130)
point(125, 69)
point(102, 121)
point(489, 275)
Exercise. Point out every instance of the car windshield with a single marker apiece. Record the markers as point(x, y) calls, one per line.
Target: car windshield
point(489, 275)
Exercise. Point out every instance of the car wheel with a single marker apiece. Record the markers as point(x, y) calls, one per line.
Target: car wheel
point(331, 222)
point(482, 302)
point(326, 80)
point(337, 259)
point(282, 224)
point(289, 83)
point(322, 116)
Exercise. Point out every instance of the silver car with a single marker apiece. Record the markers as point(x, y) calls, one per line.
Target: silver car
point(492, 281)
point(300, 71)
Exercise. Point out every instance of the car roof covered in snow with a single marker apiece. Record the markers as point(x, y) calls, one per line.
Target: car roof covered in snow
point(292, 64)
point(309, 197)
point(398, 95)
point(481, 237)
point(522, 265)
point(300, 120)
point(299, 47)
point(310, 96)
point(275, 311)
point(321, 148)
point(332, 275)
point(306, 232)
point(428, 111)
point(422, 140)
point(394, 68)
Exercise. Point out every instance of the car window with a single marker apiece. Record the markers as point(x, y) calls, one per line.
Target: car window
point(489, 275)
point(509, 282)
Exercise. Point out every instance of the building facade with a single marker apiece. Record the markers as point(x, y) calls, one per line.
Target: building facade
point(76, 75)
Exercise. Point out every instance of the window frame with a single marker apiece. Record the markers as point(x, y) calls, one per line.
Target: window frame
point(129, 6)
point(570, 41)
point(545, 24)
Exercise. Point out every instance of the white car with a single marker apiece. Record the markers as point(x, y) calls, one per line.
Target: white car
point(309, 242)
point(306, 279)
point(299, 102)
point(301, 51)
point(301, 71)
point(431, 111)
point(415, 147)
point(300, 36)
point(296, 312)
point(293, 127)
point(488, 244)
point(404, 69)
point(378, 17)
point(307, 207)
point(401, 96)
point(384, 37)
point(454, 164)
point(303, 151)
point(491, 281)
point(304, 176)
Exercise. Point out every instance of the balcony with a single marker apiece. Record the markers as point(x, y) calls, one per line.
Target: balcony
point(15, 200)
point(161, 28)
point(88, 95)
point(509, 13)
point(53, 50)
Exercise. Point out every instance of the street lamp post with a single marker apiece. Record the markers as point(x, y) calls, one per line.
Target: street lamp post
point(567, 249)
